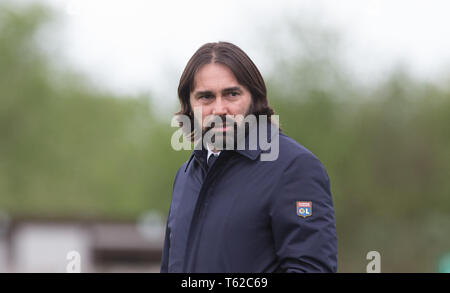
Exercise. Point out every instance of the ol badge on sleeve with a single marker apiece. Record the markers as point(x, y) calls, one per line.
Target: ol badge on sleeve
point(304, 208)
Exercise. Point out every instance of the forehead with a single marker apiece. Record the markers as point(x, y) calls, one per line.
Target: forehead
point(214, 76)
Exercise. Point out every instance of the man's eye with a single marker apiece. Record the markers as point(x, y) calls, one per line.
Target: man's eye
point(207, 97)
point(234, 94)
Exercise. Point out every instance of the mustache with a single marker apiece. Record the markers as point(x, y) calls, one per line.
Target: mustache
point(225, 123)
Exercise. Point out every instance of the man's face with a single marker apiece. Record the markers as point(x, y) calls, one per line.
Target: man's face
point(218, 93)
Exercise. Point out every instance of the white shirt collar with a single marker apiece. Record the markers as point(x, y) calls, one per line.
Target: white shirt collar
point(211, 152)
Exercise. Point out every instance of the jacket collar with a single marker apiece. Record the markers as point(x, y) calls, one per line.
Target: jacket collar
point(200, 152)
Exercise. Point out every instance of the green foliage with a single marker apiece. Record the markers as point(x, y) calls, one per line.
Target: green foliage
point(69, 150)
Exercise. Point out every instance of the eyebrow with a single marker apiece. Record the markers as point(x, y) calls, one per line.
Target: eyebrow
point(232, 89)
point(225, 90)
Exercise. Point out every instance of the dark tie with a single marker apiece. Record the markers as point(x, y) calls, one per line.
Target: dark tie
point(211, 160)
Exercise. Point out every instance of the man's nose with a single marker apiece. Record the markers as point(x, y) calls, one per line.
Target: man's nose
point(220, 107)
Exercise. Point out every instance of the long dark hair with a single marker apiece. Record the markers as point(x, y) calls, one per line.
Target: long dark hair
point(243, 68)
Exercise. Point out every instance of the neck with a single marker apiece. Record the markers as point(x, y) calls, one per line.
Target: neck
point(212, 149)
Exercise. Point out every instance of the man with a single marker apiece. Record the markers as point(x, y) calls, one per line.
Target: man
point(232, 211)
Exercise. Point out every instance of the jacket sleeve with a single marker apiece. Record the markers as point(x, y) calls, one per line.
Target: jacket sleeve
point(304, 244)
point(165, 252)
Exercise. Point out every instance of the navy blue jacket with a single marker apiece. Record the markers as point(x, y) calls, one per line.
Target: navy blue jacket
point(242, 216)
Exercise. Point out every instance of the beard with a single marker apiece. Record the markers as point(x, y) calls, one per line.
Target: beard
point(227, 138)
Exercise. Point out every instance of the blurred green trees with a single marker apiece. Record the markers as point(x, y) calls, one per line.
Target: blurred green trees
point(69, 149)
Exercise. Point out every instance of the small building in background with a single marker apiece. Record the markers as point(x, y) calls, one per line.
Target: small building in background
point(53, 245)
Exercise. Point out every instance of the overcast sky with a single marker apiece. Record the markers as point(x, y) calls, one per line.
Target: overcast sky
point(131, 46)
